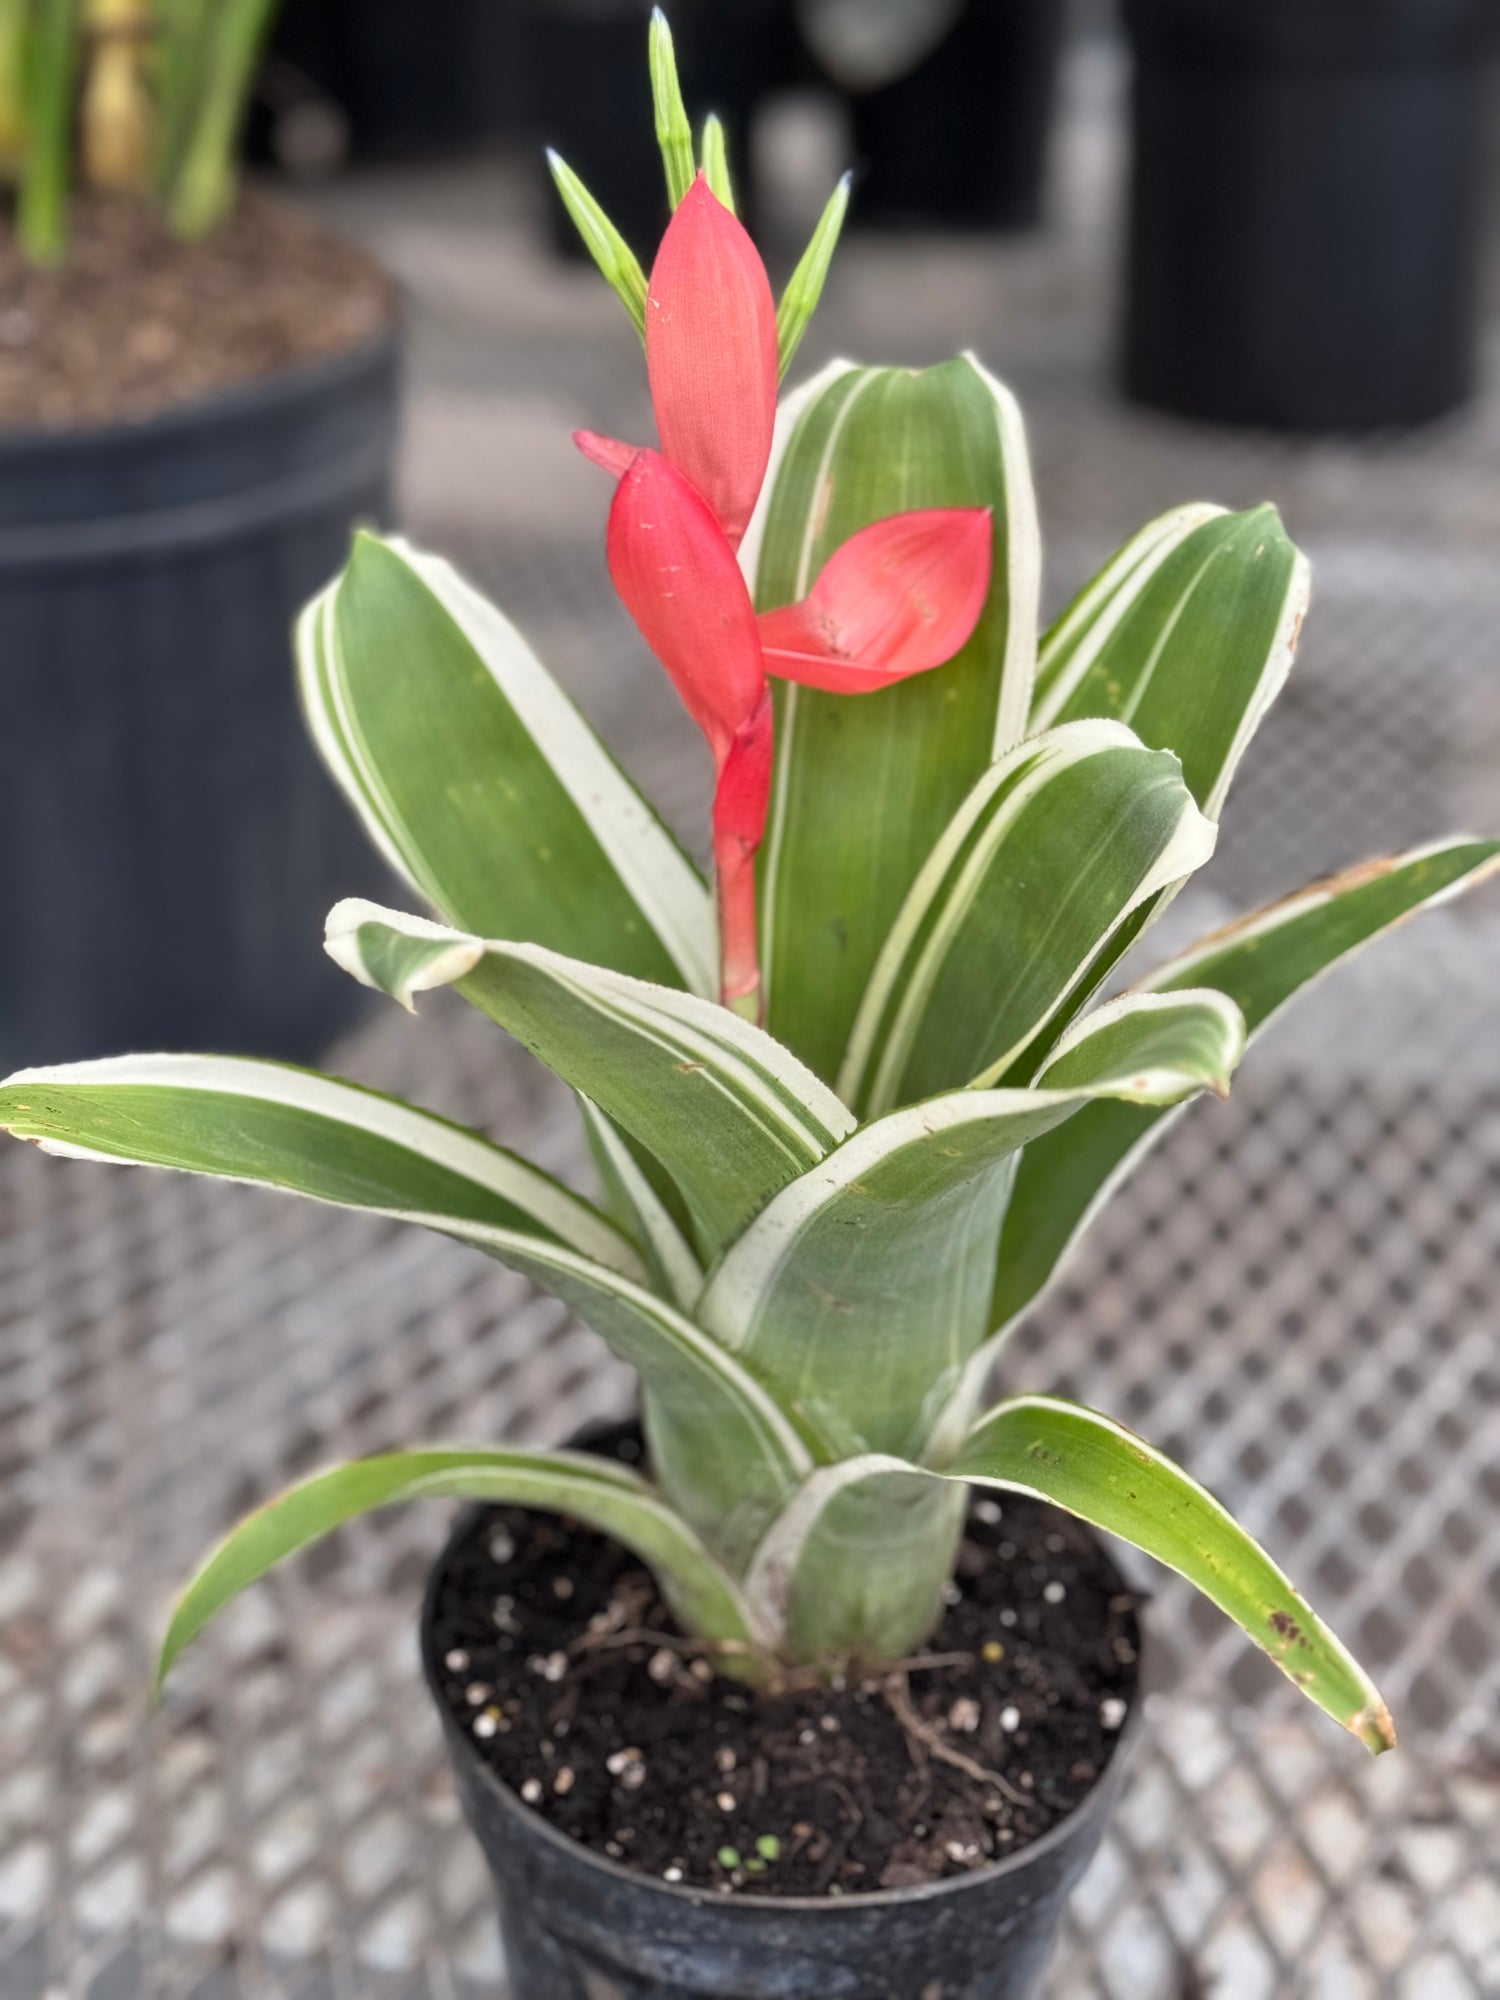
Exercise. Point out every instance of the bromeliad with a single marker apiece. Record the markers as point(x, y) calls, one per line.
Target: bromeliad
point(818, 1233)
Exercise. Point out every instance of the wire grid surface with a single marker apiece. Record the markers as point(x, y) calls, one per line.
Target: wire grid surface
point(1295, 1294)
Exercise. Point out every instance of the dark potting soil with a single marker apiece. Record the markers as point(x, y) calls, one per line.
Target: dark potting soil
point(564, 1668)
point(132, 322)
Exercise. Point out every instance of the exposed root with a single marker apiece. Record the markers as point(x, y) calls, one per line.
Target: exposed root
point(897, 1692)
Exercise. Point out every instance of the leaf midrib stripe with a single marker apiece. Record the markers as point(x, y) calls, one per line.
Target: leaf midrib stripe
point(679, 1040)
point(954, 908)
point(881, 1002)
point(787, 730)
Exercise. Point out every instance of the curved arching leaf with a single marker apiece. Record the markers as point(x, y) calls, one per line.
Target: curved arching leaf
point(817, 1294)
point(856, 1567)
point(1044, 861)
point(857, 445)
point(1187, 636)
point(1106, 1475)
point(727, 1111)
point(806, 1583)
point(723, 1450)
point(1260, 962)
point(642, 1210)
point(1072, 644)
point(267, 1122)
point(481, 784)
point(609, 1498)
point(1151, 1048)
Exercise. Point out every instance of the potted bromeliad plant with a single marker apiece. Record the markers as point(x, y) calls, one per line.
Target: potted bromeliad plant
point(814, 1683)
point(197, 404)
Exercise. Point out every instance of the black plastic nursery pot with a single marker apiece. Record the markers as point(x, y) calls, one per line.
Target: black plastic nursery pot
point(580, 1925)
point(1306, 214)
point(961, 141)
point(175, 842)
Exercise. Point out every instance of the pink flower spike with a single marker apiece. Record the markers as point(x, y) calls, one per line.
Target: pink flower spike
point(680, 582)
point(712, 357)
point(607, 453)
point(900, 597)
point(740, 807)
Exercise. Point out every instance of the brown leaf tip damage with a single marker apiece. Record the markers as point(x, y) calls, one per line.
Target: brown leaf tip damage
point(1374, 1727)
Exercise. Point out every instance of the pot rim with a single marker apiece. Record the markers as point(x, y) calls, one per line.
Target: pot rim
point(255, 395)
point(539, 1827)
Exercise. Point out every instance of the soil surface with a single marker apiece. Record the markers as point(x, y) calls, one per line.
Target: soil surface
point(133, 322)
point(563, 1666)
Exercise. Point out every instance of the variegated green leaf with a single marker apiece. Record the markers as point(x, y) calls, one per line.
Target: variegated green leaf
point(640, 1208)
point(1072, 644)
point(1188, 636)
point(1108, 1476)
point(817, 1295)
point(856, 1567)
point(605, 1497)
point(808, 1581)
point(308, 1134)
point(1261, 962)
point(479, 781)
point(1039, 868)
point(862, 788)
point(723, 1451)
point(730, 1114)
point(1151, 1047)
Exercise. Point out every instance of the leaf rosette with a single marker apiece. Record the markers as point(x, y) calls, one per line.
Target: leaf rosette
point(853, 1100)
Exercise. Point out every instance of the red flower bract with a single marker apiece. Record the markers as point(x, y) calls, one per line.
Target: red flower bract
point(900, 597)
point(680, 582)
point(712, 357)
point(740, 806)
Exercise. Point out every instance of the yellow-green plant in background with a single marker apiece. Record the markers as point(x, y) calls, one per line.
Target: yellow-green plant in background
point(142, 96)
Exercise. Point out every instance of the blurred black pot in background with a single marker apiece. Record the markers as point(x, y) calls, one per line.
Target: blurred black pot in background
point(409, 78)
point(586, 88)
point(959, 139)
point(173, 842)
point(1305, 224)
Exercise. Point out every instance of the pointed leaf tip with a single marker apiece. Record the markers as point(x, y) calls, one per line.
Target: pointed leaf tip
point(358, 938)
point(716, 161)
point(1375, 1727)
point(608, 453)
point(617, 262)
point(674, 135)
point(805, 286)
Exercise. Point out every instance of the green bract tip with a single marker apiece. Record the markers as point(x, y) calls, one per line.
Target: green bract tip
point(716, 160)
point(604, 242)
point(805, 286)
point(673, 132)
